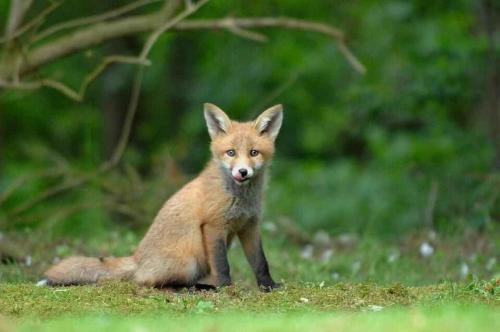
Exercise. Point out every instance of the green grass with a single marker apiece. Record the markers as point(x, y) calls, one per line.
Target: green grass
point(296, 307)
point(447, 318)
point(24, 300)
point(342, 258)
point(365, 284)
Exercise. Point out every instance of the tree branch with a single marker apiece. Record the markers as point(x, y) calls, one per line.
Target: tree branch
point(158, 22)
point(136, 89)
point(127, 126)
point(46, 82)
point(33, 23)
point(66, 90)
point(261, 22)
point(90, 36)
point(92, 19)
point(277, 22)
point(16, 14)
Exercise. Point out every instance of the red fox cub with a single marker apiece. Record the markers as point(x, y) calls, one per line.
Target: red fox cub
point(187, 243)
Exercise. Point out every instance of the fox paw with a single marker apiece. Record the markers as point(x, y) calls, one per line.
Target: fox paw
point(270, 286)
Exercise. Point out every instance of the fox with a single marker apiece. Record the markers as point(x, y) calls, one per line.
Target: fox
point(187, 243)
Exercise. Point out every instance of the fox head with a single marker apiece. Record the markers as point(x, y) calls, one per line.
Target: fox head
point(243, 149)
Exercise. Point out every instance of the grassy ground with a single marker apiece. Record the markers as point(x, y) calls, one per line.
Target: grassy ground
point(124, 298)
point(296, 307)
point(417, 319)
point(312, 257)
point(341, 282)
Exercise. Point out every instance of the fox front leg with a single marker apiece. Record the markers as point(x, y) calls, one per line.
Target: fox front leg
point(252, 246)
point(215, 241)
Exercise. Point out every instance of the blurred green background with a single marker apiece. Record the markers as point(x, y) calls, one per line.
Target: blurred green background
point(405, 149)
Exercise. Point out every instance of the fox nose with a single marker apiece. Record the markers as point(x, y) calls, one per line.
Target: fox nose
point(243, 172)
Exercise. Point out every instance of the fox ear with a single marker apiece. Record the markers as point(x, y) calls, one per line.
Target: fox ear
point(218, 122)
point(269, 122)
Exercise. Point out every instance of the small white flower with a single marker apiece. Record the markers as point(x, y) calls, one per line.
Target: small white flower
point(375, 308)
point(42, 282)
point(307, 251)
point(490, 264)
point(347, 239)
point(394, 256)
point(321, 238)
point(304, 300)
point(326, 255)
point(464, 270)
point(426, 249)
point(355, 267)
point(322, 284)
point(270, 227)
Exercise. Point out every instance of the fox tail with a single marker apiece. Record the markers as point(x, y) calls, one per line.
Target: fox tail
point(80, 270)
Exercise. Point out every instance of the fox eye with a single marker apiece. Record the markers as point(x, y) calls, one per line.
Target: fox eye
point(254, 153)
point(231, 153)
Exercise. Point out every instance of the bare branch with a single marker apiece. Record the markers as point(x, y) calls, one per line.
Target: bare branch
point(276, 22)
point(127, 126)
point(90, 36)
point(351, 58)
point(93, 19)
point(240, 32)
point(80, 40)
point(66, 90)
point(33, 23)
point(190, 9)
point(49, 193)
point(159, 23)
point(34, 85)
point(21, 181)
point(16, 13)
point(261, 22)
point(104, 64)
point(134, 99)
point(169, 9)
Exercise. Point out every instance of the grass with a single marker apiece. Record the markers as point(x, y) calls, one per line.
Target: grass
point(296, 307)
point(125, 298)
point(342, 282)
point(454, 318)
point(316, 257)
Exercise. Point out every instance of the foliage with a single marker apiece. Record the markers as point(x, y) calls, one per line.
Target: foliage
point(355, 154)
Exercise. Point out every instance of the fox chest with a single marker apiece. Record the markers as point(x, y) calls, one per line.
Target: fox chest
point(243, 204)
point(241, 211)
